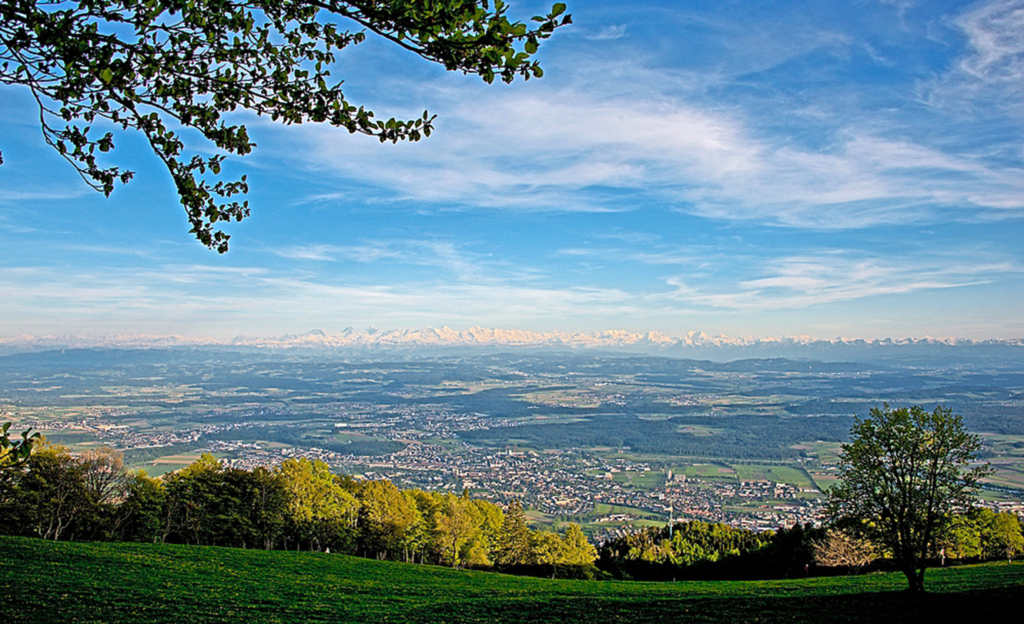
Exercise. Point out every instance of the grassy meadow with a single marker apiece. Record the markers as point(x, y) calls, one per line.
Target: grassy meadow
point(93, 582)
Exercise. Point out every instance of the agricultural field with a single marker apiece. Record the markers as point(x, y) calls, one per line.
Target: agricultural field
point(604, 509)
point(708, 471)
point(647, 479)
point(825, 452)
point(1009, 445)
point(1007, 473)
point(1006, 456)
point(126, 583)
point(776, 474)
point(699, 430)
point(823, 479)
point(170, 463)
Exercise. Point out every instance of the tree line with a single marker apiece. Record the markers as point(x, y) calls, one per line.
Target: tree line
point(706, 550)
point(298, 505)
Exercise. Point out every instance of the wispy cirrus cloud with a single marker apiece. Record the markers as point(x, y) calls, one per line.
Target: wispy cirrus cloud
point(995, 33)
point(14, 195)
point(174, 299)
point(16, 228)
point(991, 71)
point(579, 149)
point(370, 252)
point(657, 255)
point(608, 33)
point(803, 281)
point(454, 261)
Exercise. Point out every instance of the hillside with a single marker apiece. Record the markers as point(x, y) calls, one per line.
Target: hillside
point(68, 582)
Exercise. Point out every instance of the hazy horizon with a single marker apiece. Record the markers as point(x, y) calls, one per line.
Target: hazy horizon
point(426, 338)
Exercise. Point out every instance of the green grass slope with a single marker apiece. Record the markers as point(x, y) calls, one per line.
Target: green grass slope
point(65, 582)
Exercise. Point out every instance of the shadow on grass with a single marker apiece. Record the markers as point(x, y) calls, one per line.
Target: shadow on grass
point(881, 607)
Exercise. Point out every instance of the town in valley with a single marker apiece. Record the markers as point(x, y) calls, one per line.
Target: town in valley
point(612, 441)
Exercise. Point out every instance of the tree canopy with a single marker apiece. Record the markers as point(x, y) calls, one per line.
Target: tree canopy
point(299, 504)
point(904, 474)
point(514, 542)
point(153, 66)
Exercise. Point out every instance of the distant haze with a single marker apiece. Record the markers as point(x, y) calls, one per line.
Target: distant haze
point(476, 339)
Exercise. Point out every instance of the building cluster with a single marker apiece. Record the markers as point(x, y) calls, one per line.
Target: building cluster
point(567, 484)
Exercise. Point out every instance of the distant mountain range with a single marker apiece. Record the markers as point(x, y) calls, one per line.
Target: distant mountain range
point(693, 344)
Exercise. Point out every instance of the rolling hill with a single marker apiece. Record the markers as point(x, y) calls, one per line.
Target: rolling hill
point(94, 582)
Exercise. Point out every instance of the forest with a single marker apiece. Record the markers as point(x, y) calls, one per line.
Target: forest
point(299, 505)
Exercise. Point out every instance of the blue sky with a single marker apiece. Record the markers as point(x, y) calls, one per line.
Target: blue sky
point(851, 168)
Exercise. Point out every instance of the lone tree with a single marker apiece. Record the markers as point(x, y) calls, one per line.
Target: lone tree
point(903, 474)
point(152, 66)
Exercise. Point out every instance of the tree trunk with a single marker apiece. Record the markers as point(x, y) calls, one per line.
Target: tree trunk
point(915, 580)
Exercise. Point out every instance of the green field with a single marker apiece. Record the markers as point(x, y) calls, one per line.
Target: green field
point(708, 471)
point(649, 480)
point(778, 474)
point(643, 518)
point(699, 430)
point(748, 472)
point(824, 480)
point(67, 582)
point(1008, 445)
point(170, 463)
point(1007, 472)
point(823, 451)
point(604, 509)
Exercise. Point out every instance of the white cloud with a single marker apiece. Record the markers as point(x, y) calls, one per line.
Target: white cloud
point(453, 261)
point(10, 195)
point(463, 288)
point(608, 33)
point(572, 150)
point(991, 71)
point(995, 33)
point(175, 299)
point(16, 228)
point(901, 6)
point(803, 281)
point(367, 253)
